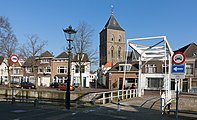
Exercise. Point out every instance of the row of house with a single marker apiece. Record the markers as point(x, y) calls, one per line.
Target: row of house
point(48, 69)
point(153, 72)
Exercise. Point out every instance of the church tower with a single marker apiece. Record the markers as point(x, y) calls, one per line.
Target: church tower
point(112, 42)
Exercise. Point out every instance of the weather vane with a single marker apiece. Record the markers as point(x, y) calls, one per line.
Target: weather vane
point(112, 9)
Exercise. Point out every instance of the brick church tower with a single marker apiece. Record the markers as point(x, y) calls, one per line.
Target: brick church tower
point(112, 42)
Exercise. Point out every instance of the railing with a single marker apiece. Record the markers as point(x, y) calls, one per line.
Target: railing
point(110, 96)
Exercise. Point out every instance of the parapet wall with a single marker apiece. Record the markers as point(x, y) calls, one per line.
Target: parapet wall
point(44, 94)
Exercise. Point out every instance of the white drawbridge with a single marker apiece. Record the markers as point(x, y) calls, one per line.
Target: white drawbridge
point(152, 48)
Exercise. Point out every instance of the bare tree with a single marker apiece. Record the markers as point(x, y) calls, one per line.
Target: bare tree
point(8, 43)
point(30, 50)
point(82, 44)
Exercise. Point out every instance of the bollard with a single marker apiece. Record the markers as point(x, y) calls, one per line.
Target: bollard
point(162, 102)
point(118, 104)
point(35, 102)
point(13, 100)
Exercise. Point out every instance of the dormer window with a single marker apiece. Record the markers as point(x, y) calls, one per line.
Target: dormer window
point(126, 67)
point(195, 54)
point(45, 61)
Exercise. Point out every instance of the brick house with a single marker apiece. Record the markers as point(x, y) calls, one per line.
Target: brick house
point(115, 76)
point(190, 80)
point(59, 72)
point(44, 68)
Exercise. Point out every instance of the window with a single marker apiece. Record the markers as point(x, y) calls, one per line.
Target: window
point(82, 69)
point(119, 52)
point(155, 82)
point(16, 71)
point(113, 38)
point(112, 52)
point(45, 61)
point(40, 70)
point(127, 67)
point(61, 70)
point(130, 80)
point(164, 67)
point(189, 69)
point(29, 69)
point(77, 69)
point(47, 69)
point(150, 68)
point(120, 38)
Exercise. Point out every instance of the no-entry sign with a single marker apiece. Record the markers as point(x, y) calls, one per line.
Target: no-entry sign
point(14, 58)
point(178, 58)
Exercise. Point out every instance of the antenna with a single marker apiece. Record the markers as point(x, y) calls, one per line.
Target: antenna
point(112, 9)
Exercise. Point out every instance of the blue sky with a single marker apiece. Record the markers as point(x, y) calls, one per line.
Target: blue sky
point(176, 19)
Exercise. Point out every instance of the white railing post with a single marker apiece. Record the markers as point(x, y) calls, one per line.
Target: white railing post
point(122, 94)
point(118, 94)
point(126, 94)
point(103, 98)
point(130, 91)
point(111, 96)
point(135, 92)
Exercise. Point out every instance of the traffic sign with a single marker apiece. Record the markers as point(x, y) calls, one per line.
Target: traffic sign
point(178, 58)
point(14, 58)
point(178, 68)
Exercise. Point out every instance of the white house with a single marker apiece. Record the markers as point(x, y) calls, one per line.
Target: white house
point(85, 70)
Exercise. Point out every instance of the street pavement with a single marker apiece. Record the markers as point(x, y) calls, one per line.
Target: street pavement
point(143, 108)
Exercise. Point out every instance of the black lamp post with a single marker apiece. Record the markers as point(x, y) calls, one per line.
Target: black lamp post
point(69, 34)
point(1, 76)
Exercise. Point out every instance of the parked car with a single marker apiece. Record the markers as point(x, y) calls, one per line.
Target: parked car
point(16, 85)
point(54, 85)
point(28, 85)
point(193, 90)
point(64, 87)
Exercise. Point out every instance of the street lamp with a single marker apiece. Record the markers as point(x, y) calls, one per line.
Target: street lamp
point(69, 34)
point(1, 76)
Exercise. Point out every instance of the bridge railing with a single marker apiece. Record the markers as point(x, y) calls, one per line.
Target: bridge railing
point(111, 96)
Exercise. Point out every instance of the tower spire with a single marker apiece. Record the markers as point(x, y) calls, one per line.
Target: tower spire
point(112, 9)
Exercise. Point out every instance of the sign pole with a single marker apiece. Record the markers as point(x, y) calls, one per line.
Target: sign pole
point(14, 59)
point(13, 83)
point(178, 70)
point(177, 97)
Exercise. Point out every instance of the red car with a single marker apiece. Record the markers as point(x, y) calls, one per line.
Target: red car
point(63, 87)
point(28, 85)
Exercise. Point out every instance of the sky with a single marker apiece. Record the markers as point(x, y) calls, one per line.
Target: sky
point(175, 19)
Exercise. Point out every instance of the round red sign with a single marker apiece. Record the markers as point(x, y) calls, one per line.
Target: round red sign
point(14, 58)
point(178, 58)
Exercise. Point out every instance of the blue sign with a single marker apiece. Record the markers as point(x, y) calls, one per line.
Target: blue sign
point(178, 68)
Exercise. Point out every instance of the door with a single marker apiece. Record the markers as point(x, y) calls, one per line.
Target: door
point(84, 81)
point(120, 83)
point(185, 85)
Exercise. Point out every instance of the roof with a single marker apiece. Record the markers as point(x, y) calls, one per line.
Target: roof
point(83, 59)
point(134, 67)
point(108, 64)
point(112, 23)
point(46, 54)
point(62, 55)
point(1, 59)
point(183, 49)
point(189, 50)
point(28, 62)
